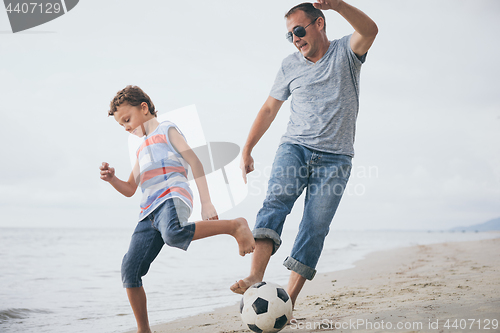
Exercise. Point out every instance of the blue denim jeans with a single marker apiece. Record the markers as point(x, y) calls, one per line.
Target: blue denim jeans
point(167, 224)
point(324, 176)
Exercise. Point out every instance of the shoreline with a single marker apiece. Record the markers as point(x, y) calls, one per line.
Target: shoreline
point(445, 287)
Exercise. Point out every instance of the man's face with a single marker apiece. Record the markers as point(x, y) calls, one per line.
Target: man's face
point(309, 45)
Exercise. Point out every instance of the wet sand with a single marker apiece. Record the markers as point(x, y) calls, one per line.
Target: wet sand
point(449, 287)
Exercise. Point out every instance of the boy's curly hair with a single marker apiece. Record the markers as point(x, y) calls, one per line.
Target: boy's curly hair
point(132, 95)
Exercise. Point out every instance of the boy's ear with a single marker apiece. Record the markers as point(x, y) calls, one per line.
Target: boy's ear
point(144, 108)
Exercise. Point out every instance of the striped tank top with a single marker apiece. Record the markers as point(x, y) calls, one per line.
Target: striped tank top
point(163, 171)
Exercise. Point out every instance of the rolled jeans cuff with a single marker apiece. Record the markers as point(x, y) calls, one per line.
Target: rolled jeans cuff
point(264, 233)
point(299, 268)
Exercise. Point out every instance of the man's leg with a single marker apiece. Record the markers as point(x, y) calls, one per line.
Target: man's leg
point(137, 298)
point(260, 259)
point(295, 285)
point(288, 179)
point(329, 176)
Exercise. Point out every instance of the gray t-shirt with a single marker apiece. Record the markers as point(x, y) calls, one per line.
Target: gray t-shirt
point(325, 98)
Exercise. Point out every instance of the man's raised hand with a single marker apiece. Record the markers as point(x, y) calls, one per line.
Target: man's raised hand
point(327, 4)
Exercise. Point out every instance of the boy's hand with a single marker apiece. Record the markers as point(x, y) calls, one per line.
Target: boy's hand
point(208, 212)
point(107, 172)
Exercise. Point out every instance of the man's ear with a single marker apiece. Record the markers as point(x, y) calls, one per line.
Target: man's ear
point(321, 23)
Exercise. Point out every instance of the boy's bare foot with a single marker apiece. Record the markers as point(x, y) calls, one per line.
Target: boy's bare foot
point(244, 237)
point(242, 285)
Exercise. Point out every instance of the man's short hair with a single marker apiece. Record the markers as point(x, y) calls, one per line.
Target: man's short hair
point(312, 12)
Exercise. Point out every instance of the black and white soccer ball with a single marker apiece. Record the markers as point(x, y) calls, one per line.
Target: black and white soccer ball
point(266, 308)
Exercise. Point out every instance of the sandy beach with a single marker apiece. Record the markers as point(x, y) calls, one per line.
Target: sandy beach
point(449, 287)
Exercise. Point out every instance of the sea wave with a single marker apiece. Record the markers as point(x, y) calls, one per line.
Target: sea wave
point(10, 314)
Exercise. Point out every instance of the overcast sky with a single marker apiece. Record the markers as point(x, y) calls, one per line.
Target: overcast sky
point(427, 144)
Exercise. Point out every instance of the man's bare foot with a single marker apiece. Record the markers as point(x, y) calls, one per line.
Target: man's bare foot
point(242, 285)
point(244, 237)
point(145, 331)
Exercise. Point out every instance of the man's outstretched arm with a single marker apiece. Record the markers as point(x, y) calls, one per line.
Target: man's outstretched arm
point(365, 28)
point(262, 122)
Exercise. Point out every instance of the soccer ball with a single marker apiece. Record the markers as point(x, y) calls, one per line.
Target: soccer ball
point(266, 308)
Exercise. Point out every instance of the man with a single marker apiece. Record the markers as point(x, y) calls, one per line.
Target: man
point(315, 153)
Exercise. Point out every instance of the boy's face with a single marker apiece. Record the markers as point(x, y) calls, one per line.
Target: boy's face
point(132, 117)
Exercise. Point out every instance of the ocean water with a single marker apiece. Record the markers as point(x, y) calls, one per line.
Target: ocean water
point(68, 280)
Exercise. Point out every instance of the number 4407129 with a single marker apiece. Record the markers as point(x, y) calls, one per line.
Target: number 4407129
point(32, 7)
point(464, 324)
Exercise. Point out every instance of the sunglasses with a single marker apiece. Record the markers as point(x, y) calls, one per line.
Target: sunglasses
point(298, 31)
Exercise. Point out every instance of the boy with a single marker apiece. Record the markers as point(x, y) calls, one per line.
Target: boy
point(161, 171)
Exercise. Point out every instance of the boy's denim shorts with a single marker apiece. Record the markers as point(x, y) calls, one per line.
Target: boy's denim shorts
point(324, 176)
point(167, 224)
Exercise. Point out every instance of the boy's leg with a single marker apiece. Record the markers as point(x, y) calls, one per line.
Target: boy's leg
point(137, 298)
point(176, 231)
point(238, 228)
point(145, 245)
